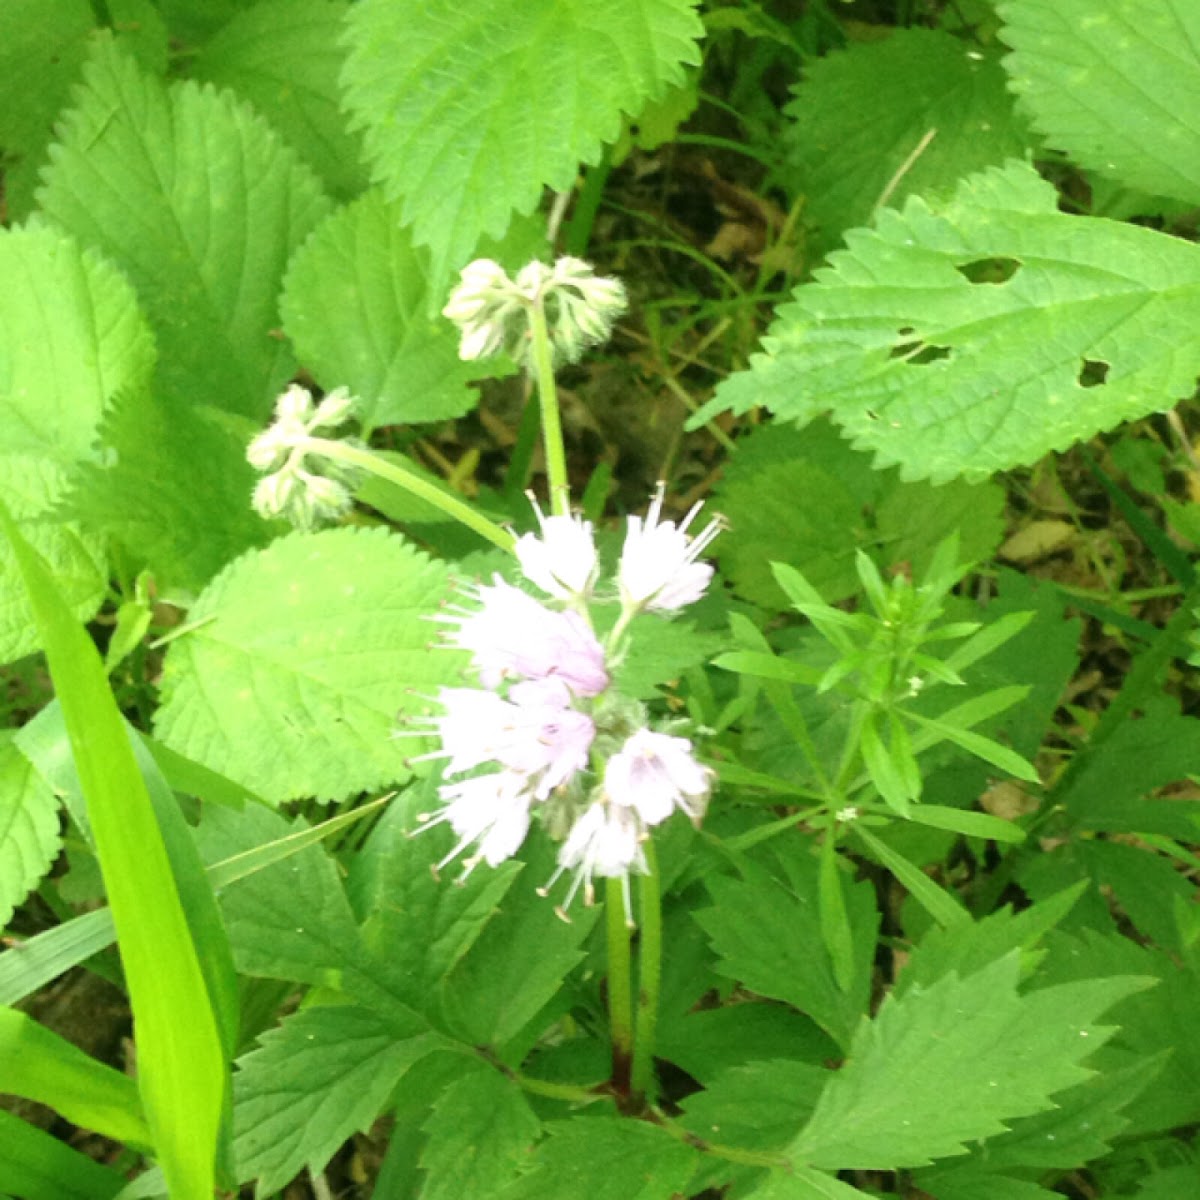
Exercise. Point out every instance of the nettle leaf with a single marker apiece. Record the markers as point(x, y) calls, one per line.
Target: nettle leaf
point(659, 652)
point(479, 1131)
point(973, 1181)
point(43, 44)
point(419, 926)
point(605, 1158)
point(468, 113)
point(964, 338)
point(968, 946)
point(290, 920)
point(71, 337)
point(804, 497)
point(301, 656)
point(29, 827)
point(521, 957)
point(357, 306)
point(710, 1041)
point(767, 931)
point(949, 1064)
point(1111, 790)
point(284, 56)
point(192, 194)
point(861, 115)
point(758, 1105)
point(30, 486)
point(1139, 124)
point(1081, 1127)
point(322, 1075)
point(1156, 1025)
point(174, 489)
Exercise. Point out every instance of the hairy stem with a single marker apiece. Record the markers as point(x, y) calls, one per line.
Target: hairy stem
point(649, 975)
point(620, 1000)
point(552, 438)
point(447, 502)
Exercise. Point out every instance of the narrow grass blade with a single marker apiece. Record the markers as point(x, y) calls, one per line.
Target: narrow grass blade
point(182, 1071)
point(36, 1166)
point(37, 1064)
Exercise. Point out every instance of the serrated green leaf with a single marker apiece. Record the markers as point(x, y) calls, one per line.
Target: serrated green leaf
point(290, 921)
point(758, 1105)
point(605, 1158)
point(420, 926)
point(805, 498)
point(1143, 883)
point(357, 306)
point(196, 198)
point(914, 359)
point(973, 1181)
point(322, 1075)
point(29, 827)
point(1114, 83)
point(31, 485)
point(71, 337)
point(767, 933)
point(477, 1134)
point(300, 657)
point(467, 116)
point(57, 950)
point(284, 56)
point(968, 946)
point(43, 44)
point(945, 1065)
point(659, 652)
point(520, 959)
point(1082, 1126)
point(862, 119)
point(802, 1183)
point(1161, 1021)
point(1111, 791)
point(707, 1042)
point(173, 490)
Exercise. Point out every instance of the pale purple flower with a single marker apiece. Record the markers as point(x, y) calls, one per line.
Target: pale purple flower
point(562, 562)
point(606, 840)
point(490, 811)
point(535, 732)
point(656, 773)
point(658, 568)
point(513, 636)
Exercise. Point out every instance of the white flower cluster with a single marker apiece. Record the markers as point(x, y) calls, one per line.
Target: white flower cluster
point(301, 486)
point(546, 719)
point(489, 307)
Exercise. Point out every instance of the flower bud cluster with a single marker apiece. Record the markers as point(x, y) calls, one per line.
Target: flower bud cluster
point(546, 731)
point(490, 308)
point(299, 485)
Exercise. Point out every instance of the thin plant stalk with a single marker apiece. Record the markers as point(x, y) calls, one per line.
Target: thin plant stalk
point(620, 984)
point(649, 974)
point(552, 437)
point(447, 502)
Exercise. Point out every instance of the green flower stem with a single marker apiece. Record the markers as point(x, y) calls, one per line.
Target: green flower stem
point(552, 438)
point(649, 974)
point(620, 999)
point(451, 505)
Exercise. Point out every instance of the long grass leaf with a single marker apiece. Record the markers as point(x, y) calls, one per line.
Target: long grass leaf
point(182, 1070)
